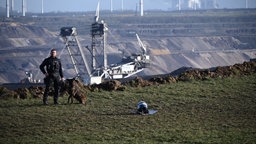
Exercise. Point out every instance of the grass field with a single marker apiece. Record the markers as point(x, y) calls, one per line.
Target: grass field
point(210, 111)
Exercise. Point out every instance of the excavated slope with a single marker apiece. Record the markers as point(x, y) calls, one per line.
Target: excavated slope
point(173, 40)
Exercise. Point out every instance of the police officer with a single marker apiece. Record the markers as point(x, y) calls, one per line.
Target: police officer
point(53, 73)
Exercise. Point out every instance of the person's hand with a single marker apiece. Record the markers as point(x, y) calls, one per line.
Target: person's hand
point(46, 74)
point(62, 79)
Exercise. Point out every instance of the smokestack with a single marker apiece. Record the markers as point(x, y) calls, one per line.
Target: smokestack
point(23, 7)
point(7, 8)
point(141, 8)
point(246, 3)
point(42, 8)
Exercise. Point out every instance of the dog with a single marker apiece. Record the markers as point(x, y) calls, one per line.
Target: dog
point(71, 86)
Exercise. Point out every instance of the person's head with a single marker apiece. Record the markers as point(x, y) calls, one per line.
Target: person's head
point(53, 53)
point(142, 104)
point(142, 107)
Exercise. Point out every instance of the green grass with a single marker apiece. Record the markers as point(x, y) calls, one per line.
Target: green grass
point(211, 111)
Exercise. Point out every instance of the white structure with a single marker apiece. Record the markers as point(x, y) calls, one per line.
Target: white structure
point(42, 6)
point(7, 8)
point(141, 8)
point(179, 5)
point(194, 4)
point(24, 7)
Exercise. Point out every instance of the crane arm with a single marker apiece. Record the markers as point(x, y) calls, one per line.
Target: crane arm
point(97, 14)
point(141, 44)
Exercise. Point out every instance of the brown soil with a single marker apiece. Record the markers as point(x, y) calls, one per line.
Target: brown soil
point(247, 68)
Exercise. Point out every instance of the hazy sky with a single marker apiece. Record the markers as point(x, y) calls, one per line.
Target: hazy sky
point(90, 5)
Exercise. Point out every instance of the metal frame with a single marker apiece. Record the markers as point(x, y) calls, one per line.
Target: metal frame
point(100, 69)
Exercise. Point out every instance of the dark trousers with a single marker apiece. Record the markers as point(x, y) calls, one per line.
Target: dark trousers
point(48, 81)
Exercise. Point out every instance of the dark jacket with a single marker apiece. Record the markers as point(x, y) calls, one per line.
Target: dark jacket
point(53, 66)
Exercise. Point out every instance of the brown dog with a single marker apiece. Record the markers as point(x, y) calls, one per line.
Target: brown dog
point(72, 87)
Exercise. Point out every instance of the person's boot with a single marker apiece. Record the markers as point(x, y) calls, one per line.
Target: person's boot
point(45, 96)
point(56, 101)
point(45, 102)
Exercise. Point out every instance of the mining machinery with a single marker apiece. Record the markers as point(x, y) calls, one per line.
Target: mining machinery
point(100, 70)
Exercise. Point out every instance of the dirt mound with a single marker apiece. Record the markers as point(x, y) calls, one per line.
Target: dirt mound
point(246, 68)
point(6, 93)
point(108, 86)
point(163, 80)
point(138, 82)
point(23, 93)
point(31, 92)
